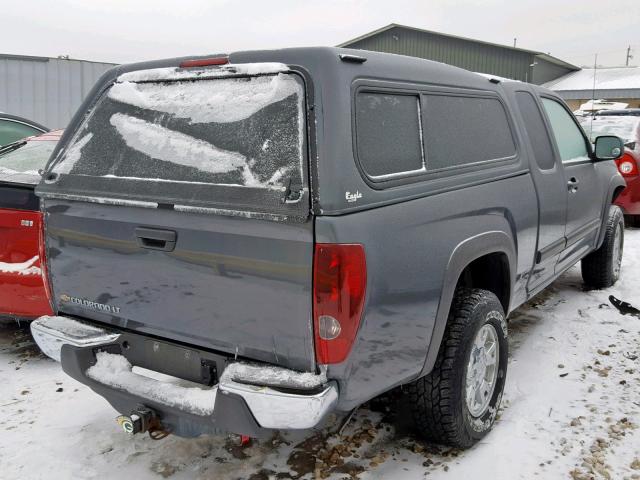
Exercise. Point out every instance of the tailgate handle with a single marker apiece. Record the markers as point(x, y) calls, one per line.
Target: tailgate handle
point(156, 239)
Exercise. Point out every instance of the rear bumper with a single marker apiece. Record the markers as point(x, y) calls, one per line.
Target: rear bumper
point(51, 333)
point(239, 406)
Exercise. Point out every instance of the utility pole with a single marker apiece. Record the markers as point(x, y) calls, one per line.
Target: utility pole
point(515, 40)
point(593, 94)
point(629, 56)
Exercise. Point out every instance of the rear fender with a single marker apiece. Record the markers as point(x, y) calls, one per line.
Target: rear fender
point(465, 252)
point(616, 181)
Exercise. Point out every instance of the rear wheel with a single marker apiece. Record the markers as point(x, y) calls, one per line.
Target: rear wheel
point(601, 269)
point(456, 404)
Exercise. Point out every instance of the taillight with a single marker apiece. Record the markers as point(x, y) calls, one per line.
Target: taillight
point(42, 253)
point(204, 62)
point(627, 165)
point(339, 285)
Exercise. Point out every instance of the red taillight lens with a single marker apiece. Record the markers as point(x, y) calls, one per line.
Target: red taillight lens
point(42, 252)
point(204, 62)
point(339, 285)
point(627, 165)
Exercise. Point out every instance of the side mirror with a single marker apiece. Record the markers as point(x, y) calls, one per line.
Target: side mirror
point(608, 147)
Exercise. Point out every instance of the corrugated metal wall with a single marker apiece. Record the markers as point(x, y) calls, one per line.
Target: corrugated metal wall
point(468, 54)
point(46, 90)
point(544, 71)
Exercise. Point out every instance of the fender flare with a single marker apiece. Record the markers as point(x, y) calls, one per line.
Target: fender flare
point(616, 181)
point(462, 255)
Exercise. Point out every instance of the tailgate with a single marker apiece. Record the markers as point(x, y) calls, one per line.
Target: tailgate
point(231, 284)
point(180, 209)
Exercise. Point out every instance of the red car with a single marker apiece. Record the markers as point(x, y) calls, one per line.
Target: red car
point(627, 128)
point(23, 289)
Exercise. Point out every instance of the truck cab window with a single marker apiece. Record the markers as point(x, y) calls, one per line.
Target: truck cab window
point(572, 145)
point(537, 132)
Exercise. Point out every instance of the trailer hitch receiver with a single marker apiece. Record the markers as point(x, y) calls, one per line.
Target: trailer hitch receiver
point(141, 420)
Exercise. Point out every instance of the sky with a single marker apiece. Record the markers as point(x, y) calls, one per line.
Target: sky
point(123, 31)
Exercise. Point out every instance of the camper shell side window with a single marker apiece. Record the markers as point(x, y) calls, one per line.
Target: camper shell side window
point(404, 135)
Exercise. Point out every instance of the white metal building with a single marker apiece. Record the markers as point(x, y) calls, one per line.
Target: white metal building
point(618, 84)
point(46, 90)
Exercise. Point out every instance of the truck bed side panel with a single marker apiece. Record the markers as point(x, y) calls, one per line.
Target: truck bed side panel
point(405, 277)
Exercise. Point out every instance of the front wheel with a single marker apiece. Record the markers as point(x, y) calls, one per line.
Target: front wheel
point(456, 404)
point(601, 269)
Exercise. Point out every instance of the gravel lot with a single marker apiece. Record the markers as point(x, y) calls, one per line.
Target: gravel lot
point(571, 410)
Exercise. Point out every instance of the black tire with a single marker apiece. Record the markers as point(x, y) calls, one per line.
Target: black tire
point(438, 400)
point(600, 269)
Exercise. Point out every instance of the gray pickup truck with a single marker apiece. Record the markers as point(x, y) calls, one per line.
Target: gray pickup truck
point(247, 242)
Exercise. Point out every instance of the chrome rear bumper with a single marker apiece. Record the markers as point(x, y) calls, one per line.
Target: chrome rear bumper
point(282, 410)
point(50, 333)
point(272, 406)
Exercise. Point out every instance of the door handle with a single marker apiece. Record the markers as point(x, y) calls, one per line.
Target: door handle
point(572, 185)
point(156, 239)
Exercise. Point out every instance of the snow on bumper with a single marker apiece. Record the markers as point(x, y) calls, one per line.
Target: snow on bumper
point(274, 408)
point(278, 398)
point(50, 333)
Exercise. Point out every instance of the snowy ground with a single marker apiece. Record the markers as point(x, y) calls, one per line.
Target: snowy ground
point(571, 410)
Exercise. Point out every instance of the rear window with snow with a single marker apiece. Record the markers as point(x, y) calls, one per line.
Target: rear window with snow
point(192, 138)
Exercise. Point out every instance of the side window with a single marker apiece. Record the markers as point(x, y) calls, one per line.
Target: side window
point(536, 131)
point(463, 130)
point(388, 133)
point(571, 143)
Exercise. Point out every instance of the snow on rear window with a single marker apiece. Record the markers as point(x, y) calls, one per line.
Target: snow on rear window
point(73, 154)
point(230, 101)
point(237, 131)
point(171, 146)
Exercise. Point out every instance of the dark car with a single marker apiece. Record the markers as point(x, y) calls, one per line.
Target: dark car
point(14, 128)
point(23, 294)
point(297, 231)
point(626, 112)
